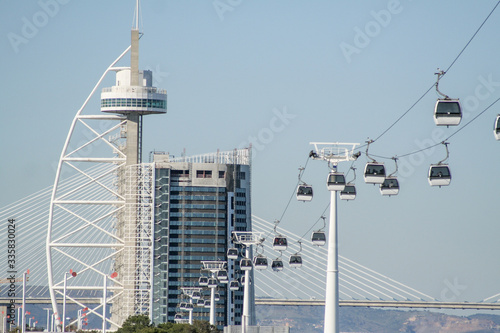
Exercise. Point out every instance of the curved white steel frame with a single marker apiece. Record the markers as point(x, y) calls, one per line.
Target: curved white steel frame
point(80, 232)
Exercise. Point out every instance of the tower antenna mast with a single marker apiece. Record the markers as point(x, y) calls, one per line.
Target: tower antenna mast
point(137, 15)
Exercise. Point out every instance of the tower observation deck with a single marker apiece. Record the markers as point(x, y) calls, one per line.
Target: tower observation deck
point(126, 99)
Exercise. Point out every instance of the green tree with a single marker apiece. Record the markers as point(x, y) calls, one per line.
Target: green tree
point(141, 324)
point(134, 324)
point(202, 326)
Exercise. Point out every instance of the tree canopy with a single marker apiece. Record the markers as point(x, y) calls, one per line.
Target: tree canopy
point(142, 324)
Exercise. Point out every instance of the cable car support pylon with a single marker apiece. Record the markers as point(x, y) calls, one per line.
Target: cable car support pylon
point(333, 153)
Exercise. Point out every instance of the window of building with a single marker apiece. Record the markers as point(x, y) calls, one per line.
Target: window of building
point(180, 173)
point(241, 175)
point(222, 174)
point(203, 173)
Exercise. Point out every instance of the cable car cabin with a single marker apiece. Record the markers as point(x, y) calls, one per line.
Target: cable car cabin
point(390, 186)
point(447, 112)
point(277, 265)
point(496, 130)
point(242, 279)
point(295, 261)
point(280, 243)
point(212, 283)
point(200, 302)
point(335, 181)
point(304, 193)
point(222, 275)
point(216, 297)
point(178, 316)
point(260, 262)
point(203, 281)
point(439, 175)
point(234, 285)
point(182, 306)
point(232, 253)
point(348, 193)
point(207, 303)
point(196, 295)
point(374, 173)
point(245, 264)
point(318, 238)
point(189, 307)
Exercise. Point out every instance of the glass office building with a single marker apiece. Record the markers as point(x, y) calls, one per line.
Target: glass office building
point(199, 201)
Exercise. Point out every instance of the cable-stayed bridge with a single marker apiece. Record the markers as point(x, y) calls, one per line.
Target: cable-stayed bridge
point(359, 285)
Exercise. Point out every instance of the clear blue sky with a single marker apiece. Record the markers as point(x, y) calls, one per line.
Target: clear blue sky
point(342, 71)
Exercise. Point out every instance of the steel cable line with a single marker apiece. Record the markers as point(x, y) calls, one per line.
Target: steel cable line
point(372, 280)
point(291, 197)
point(319, 218)
point(449, 67)
point(447, 138)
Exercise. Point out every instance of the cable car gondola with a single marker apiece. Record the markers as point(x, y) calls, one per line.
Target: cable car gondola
point(242, 279)
point(196, 295)
point(390, 186)
point(207, 303)
point(439, 175)
point(349, 192)
point(374, 173)
point(222, 275)
point(496, 129)
point(182, 306)
point(217, 297)
point(245, 264)
point(234, 285)
point(280, 243)
point(200, 302)
point(260, 262)
point(232, 253)
point(447, 111)
point(277, 265)
point(189, 307)
point(212, 283)
point(295, 261)
point(203, 281)
point(304, 192)
point(335, 181)
point(318, 238)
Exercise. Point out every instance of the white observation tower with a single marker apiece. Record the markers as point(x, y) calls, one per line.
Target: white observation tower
point(100, 227)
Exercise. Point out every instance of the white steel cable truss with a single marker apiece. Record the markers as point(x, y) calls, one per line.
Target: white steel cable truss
point(308, 282)
point(82, 233)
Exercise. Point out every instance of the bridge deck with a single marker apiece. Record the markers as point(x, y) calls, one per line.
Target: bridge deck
point(302, 302)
